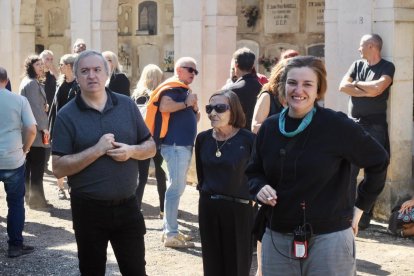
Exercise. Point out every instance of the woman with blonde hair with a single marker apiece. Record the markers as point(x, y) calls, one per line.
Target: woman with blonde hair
point(67, 89)
point(118, 82)
point(151, 77)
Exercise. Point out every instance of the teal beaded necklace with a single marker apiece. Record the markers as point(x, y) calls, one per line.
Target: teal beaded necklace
point(305, 122)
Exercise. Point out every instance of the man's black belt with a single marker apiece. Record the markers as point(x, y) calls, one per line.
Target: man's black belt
point(230, 198)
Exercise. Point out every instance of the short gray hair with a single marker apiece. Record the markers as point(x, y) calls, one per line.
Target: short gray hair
point(88, 53)
point(184, 61)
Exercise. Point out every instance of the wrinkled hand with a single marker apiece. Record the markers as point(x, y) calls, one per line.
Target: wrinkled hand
point(191, 99)
point(267, 195)
point(407, 206)
point(120, 152)
point(105, 143)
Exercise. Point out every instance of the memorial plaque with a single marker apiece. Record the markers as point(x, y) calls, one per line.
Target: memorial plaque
point(281, 16)
point(315, 16)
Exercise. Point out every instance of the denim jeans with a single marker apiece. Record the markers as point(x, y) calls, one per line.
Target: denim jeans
point(14, 185)
point(178, 160)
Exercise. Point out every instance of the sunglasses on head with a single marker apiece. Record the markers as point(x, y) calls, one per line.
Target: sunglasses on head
point(219, 108)
point(190, 70)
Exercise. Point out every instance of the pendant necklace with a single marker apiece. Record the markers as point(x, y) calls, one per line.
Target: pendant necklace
point(218, 152)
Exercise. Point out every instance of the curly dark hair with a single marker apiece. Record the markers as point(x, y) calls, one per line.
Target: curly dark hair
point(28, 66)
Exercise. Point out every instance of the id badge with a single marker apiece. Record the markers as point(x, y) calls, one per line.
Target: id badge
point(300, 249)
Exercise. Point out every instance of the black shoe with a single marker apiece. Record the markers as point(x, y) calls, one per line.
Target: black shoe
point(16, 251)
point(364, 222)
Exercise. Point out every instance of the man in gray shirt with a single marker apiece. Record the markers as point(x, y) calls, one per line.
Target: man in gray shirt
point(17, 133)
point(98, 139)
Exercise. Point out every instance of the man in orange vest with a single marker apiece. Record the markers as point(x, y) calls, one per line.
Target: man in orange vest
point(172, 116)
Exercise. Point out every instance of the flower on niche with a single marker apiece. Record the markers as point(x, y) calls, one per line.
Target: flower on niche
point(251, 13)
point(268, 62)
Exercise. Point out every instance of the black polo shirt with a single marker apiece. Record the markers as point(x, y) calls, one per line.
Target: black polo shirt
point(79, 127)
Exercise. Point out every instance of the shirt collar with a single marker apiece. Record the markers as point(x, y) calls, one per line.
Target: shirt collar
point(110, 102)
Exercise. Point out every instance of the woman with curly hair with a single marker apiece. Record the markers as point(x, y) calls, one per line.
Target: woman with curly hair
point(32, 88)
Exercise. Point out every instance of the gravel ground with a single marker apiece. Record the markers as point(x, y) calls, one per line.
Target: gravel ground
point(50, 231)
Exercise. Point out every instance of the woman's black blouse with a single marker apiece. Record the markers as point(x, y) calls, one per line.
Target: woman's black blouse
point(224, 175)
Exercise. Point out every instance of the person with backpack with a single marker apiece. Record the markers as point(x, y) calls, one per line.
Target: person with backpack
point(151, 77)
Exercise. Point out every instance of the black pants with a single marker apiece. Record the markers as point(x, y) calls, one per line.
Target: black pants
point(380, 133)
point(143, 166)
point(226, 236)
point(96, 224)
point(35, 167)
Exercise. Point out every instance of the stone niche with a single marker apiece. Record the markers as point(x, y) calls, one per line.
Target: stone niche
point(147, 18)
point(125, 20)
point(56, 22)
point(124, 57)
point(317, 50)
point(281, 16)
point(272, 54)
point(148, 54)
point(248, 13)
point(315, 16)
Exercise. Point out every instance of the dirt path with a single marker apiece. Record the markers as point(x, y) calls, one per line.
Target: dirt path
point(50, 231)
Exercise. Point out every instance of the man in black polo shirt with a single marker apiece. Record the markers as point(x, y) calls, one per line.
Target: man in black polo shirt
point(98, 139)
point(247, 87)
point(368, 82)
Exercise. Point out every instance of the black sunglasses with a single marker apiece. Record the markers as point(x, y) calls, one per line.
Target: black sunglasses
point(190, 70)
point(219, 108)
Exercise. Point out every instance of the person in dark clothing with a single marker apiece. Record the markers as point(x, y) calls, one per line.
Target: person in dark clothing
point(118, 82)
point(101, 162)
point(247, 87)
point(66, 84)
point(151, 77)
point(225, 209)
point(300, 169)
point(51, 74)
point(8, 85)
point(368, 82)
point(268, 101)
point(32, 88)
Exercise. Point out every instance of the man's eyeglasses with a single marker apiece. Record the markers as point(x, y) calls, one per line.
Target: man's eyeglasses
point(191, 70)
point(219, 108)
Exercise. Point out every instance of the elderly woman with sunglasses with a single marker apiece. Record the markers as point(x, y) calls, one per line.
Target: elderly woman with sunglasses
point(300, 170)
point(225, 209)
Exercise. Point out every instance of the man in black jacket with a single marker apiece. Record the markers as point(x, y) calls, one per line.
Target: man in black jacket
point(247, 87)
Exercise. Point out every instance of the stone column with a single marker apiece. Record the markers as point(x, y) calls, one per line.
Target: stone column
point(6, 33)
point(345, 23)
point(80, 22)
point(105, 25)
point(206, 31)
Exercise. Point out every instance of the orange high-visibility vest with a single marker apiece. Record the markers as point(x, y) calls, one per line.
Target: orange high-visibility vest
point(152, 105)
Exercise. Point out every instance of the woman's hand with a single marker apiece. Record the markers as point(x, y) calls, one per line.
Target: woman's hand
point(267, 195)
